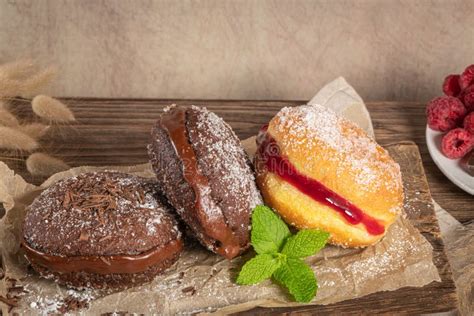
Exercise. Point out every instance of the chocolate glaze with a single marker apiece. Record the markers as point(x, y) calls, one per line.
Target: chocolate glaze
point(103, 264)
point(174, 122)
point(468, 162)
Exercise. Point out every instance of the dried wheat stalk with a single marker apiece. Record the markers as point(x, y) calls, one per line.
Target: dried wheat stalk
point(40, 164)
point(7, 118)
point(34, 130)
point(33, 84)
point(19, 69)
point(13, 139)
point(9, 87)
point(23, 78)
point(52, 109)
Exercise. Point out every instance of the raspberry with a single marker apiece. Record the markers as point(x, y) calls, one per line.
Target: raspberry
point(469, 123)
point(467, 97)
point(445, 113)
point(457, 143)
point(451, 85)
point(467, 77)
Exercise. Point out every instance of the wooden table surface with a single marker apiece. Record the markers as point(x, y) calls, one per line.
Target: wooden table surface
point(115, 132)
point(127, 124)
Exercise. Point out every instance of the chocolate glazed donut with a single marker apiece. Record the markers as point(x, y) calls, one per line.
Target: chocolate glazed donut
point(206, 175)
point(102, 230)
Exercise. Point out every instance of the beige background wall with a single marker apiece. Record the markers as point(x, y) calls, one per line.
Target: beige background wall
point(388, 49)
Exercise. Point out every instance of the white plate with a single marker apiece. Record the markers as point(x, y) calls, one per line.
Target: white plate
point(450, 167)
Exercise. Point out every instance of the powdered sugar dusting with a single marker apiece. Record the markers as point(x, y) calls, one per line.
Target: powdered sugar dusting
point(151, 224)
point(99, 213)
point(226, 155)
point(351, 146)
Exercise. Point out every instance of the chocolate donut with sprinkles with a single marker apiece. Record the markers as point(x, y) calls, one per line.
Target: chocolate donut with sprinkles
point(104, 230)
point(207, 177)
point(318, 170)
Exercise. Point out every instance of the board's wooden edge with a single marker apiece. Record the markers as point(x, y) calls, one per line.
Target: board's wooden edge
point(234, 111)
point(426, 222)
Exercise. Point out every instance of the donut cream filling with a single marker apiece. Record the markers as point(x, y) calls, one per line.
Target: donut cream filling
point(174, 122)
point(269, 155)
point(104, 264)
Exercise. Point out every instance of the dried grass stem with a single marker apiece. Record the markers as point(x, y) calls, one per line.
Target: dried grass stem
point(52, 109)
point(41, 164)
point(11, 138)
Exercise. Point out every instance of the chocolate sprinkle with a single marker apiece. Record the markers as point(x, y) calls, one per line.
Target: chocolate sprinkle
point(101, 230)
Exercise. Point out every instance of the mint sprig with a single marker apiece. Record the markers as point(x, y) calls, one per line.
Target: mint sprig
point(298, 278)
point(280, 254)
point(257, 269)
point(269, 232)
point(305, 243)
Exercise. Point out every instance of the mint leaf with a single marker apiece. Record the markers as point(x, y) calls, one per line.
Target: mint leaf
point(305, 243)
point(279, 255)
point(269, 232)
point(298, 278)
point(257, 269)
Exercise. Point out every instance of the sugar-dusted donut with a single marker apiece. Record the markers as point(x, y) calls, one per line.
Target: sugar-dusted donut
point(318, 170)
point(204, 172)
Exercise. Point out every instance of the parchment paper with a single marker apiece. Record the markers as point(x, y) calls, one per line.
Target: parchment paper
point(459, 245)
point(203, 282)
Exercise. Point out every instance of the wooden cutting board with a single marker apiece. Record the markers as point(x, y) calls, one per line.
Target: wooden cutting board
point(115, 132)
point(434, 297)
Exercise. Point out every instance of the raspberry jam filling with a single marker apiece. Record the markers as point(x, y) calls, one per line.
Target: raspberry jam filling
point(281, 166)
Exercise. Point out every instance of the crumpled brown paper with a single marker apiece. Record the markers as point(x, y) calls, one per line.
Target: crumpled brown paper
point(204, 282)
